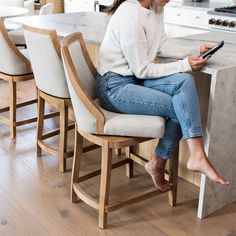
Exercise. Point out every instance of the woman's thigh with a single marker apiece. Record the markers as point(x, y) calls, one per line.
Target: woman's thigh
point(170, 84)
point(132, 98)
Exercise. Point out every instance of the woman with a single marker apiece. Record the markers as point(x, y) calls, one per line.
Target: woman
point(131, 82)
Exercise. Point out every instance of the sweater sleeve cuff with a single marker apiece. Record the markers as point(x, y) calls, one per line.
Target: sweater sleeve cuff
point(186, 66)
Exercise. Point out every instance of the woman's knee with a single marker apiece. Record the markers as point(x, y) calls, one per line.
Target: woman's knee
point(185, 80)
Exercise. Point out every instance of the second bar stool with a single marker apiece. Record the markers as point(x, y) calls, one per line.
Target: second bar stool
point(44, 52)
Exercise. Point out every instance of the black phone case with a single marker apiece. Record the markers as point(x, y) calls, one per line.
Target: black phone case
point(213, 50)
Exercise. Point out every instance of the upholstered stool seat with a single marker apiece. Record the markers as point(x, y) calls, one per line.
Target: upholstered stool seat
point(131, 125)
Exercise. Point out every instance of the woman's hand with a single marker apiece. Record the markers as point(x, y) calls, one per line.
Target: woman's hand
point(205, 48)
point(196, 63)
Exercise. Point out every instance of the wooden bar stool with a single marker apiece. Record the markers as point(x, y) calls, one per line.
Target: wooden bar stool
point(44, 52)
point(107, 129)
point(14, 68)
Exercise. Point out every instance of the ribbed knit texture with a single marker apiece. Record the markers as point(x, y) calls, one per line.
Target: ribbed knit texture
point(134, 37)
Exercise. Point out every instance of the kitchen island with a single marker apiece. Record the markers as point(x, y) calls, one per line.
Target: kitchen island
point(217, 83)
point(217, 93)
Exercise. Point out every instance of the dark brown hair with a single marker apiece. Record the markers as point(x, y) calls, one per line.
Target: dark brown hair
point(115, 5)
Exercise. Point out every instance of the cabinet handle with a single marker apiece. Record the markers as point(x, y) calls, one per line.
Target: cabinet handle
point(197, 17)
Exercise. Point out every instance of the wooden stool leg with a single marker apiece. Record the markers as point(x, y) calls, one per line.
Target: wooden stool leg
point(78, 149)
point(130, 165)
point(105, 184)
point(41, 108)
point(12, 111)
point(63, 137)
point(173, 177)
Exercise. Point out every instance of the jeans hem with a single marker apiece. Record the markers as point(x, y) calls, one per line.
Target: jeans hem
point(196, 132)
point(193, 135)
point(163, 156)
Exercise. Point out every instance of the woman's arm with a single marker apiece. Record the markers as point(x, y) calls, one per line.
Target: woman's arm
point(170, 48)
point(134, 47)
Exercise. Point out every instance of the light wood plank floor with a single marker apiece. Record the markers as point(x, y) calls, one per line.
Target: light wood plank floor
point(34, 196)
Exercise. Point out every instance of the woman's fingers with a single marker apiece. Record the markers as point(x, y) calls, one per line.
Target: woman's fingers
point(205, 47)
point(198, 59)
point(196, 63)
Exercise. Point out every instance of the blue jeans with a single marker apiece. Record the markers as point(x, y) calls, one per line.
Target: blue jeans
point(172, 97)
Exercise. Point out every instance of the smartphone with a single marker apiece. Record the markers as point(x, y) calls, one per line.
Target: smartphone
point(212, 50)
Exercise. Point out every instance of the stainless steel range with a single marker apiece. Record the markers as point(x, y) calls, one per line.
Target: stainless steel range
point(223, 18)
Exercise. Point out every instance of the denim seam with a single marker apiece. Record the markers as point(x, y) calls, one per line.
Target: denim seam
point(169, 83)
point(186, 114)
point(141, 103)
point(162, 155)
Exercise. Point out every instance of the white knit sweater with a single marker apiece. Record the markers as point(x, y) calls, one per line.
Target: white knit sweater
point(134, 37)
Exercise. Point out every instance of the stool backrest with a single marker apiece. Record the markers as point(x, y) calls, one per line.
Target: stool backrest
point(12, 61)
point(46, 9)
point(44, 52)
point(81, 80)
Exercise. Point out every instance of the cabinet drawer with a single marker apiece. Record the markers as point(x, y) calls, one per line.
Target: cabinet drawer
point(186, 17)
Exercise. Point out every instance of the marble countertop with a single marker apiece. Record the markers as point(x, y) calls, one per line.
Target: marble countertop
point(222, 59)
point(93, 26)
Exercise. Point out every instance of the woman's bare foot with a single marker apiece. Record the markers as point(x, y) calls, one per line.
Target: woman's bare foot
point(200, 163)
point(155, 169)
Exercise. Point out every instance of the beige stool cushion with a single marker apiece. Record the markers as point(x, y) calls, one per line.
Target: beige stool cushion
point(133, 125)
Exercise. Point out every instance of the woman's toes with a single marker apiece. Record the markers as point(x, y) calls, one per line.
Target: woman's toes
point(222, 181)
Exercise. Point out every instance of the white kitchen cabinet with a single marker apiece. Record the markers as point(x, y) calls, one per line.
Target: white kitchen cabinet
point(180, 21)
point(186, 16)
point(78, 5)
